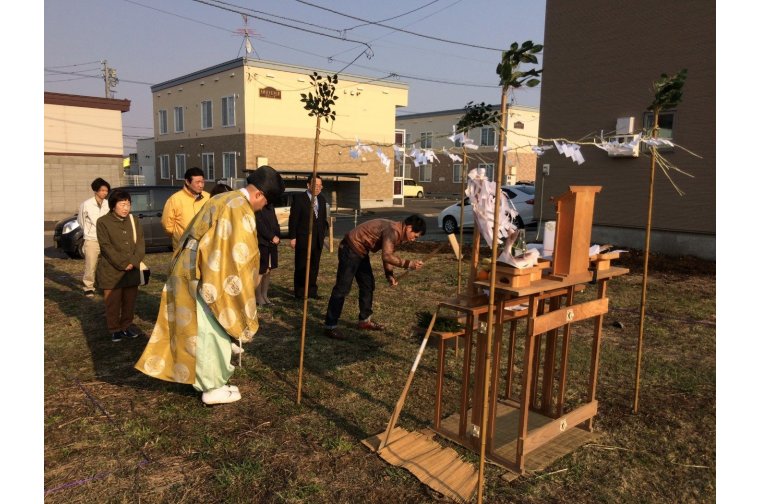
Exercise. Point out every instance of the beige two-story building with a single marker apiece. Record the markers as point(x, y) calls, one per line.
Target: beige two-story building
point(236, 116)
point(431, 130)
point(83, 141)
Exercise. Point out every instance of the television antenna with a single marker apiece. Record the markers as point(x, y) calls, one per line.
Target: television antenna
point(247, 33)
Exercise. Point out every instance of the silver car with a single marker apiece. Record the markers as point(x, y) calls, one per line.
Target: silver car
point(521, 196)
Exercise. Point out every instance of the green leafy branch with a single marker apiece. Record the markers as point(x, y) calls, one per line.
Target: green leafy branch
point(668, 91)
point(509, 74)
point(476, 116)
point(320, 104)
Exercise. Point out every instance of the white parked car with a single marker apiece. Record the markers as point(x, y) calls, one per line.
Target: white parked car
point(522, 196)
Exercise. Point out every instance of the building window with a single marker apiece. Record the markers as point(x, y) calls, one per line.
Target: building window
point(163, 122)
point(487, 136)
point(426, 140)
point(425, 172)
point(207, 165)
point(666, 121)
point(179, 166)
point(179, 119)
point(519, 125)
point(163, 166)
point(457, 175)
point(399, 138)
point(489, 170)
point(228, 111)
point(206, 115)
point(228, 164)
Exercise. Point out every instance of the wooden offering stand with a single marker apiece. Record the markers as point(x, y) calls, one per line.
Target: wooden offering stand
point(528, 429)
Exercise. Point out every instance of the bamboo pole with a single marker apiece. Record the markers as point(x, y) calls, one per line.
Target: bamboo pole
point(400, 402)
point(461, 220)
point(491, 296)
point(642, 308)
point(308, 264)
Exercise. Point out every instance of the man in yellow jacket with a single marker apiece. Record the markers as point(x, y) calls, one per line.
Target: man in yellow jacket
point(208, 302)
point(182, 206)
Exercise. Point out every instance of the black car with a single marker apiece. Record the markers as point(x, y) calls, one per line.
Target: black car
point(147, 205)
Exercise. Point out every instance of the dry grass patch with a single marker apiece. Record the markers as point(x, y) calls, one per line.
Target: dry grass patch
point(115, 435)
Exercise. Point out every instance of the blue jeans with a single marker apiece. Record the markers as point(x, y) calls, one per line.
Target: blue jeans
point(351, 265)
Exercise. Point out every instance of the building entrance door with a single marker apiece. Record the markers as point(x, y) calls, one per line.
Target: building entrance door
point(398, 191)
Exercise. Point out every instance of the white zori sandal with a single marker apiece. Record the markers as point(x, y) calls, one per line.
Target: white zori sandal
point(236, 349)
point(221, 395)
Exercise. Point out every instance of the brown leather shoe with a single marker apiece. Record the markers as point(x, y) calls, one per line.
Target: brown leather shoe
point(369, 325)
point(334, 333)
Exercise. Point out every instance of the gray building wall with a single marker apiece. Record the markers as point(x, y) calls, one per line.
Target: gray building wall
point(600, 60)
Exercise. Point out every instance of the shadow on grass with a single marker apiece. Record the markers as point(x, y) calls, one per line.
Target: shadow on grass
point(113, 362)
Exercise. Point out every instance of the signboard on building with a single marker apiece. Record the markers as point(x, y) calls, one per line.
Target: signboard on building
point(270, 92)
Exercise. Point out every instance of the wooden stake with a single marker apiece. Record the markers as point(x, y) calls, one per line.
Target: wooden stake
point(400, 402)
point(308, 264)
point(457, 253)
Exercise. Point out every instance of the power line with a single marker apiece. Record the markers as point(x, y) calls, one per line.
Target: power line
point(76, 64)
point(73, 79)
point(336, 37)
point(405, 26)
point(97, 77)
point(395, 17)
point(180, 16)
point(430, 37)
point(279, 17)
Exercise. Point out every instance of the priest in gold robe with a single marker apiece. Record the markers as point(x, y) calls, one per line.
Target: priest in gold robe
point(208, 304)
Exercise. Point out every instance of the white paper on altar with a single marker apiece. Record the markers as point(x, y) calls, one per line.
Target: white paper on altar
point(549, 229)
point(528, 259)
point(482, 194)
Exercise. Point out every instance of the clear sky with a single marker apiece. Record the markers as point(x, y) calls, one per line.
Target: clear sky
point(148, 42)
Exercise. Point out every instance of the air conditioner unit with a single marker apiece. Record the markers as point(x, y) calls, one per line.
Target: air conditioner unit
point(624, 125)
point(625, 143)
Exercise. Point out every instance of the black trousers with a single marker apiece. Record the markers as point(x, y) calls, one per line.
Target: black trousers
point(351, 265)
point(299, 272)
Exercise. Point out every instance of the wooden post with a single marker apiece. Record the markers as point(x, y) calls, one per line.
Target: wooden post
point(492, 295)
point(596, 351)
point(461, 221)
point(643, 306)
point(332, 224)
point(400, 402)
point(563, 359)
point(308, 265)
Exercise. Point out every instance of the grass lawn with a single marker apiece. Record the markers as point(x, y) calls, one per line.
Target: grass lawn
point(113, 434)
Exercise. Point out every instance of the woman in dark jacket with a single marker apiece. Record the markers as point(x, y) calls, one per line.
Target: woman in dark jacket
point(268, 231)
point(122, 247)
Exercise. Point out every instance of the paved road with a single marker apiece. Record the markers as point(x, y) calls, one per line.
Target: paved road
point(426, 208)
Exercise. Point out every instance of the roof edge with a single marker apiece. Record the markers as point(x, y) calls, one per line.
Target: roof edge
point(71, 100)
point(496, 107)
point(270, 65)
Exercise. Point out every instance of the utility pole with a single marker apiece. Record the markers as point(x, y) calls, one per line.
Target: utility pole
point(109, 78)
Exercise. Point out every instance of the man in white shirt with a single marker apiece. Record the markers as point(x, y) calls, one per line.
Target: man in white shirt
point(89, 212)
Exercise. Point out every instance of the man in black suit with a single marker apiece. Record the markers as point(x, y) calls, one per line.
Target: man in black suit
point(301, 211)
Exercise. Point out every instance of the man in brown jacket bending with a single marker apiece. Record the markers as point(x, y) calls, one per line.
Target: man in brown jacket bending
point(353, 262)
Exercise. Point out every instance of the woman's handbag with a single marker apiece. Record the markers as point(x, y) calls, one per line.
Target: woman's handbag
point(144, 269)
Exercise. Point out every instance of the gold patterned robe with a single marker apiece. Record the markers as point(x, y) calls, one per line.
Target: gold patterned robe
point(219, 260)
